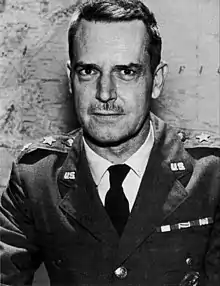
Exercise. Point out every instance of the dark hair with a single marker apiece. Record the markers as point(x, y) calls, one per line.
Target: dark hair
point(117, 11)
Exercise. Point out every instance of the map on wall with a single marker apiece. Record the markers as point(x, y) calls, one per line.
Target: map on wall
point(34, 99)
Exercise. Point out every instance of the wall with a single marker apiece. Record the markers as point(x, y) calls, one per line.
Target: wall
point(33, 86)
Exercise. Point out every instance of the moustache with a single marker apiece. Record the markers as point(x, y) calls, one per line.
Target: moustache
point(107, 106)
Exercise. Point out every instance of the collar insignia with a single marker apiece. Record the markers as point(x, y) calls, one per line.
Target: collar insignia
point(177, 166)
point(70, 175)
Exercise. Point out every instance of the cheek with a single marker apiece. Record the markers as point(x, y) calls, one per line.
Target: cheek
point(136, 95)
point(82, 97)
point(137, 103)
point(141, 109)
point(80, 106)
point(143, 97)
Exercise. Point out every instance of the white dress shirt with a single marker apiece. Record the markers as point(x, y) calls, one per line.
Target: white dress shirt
point(137, 162)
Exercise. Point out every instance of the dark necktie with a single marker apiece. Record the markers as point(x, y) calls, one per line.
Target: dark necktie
point(116, 203)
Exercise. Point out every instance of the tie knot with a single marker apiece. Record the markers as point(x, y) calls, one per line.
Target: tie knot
point(118, 174)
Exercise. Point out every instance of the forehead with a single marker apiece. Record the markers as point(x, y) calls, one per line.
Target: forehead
point(114, 41)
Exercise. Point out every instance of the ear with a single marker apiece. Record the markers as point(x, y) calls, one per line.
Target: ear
point(159, 79)
point(68, 71)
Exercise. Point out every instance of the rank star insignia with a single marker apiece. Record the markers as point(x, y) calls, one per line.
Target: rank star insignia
point(49, 140)
point(203, 137)
point(26, 147)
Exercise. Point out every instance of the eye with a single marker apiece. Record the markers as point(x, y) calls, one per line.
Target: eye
point(87, 71)
point(127, 74)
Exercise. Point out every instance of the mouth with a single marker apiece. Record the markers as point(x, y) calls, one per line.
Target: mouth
point(107, 116)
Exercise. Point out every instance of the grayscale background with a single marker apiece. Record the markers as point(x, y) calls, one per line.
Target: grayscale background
point(34, 99)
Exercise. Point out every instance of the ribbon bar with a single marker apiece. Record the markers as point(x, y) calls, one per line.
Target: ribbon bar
point(198, 222)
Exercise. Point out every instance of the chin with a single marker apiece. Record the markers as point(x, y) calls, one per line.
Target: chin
point(104, 140)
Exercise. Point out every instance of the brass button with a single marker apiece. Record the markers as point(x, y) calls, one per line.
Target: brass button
point(57, 263)
point(189, 261)
point(182, 136)
point(121, 272)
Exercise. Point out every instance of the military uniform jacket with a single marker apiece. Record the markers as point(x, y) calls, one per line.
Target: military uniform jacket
point(51, 213)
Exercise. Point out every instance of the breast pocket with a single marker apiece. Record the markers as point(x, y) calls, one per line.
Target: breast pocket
point(179, 252)
point(175, 247)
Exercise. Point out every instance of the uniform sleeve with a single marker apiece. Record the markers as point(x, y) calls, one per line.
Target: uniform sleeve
point(19, 255)
point(212, 263)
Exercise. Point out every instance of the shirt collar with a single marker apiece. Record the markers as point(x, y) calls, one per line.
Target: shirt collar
point(137, 162)
point(97, 164)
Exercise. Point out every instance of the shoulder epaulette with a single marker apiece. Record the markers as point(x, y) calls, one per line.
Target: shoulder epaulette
point(55, 143)
point(193, 138)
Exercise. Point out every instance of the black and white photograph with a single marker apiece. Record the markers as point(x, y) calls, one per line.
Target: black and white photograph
point(109, 143)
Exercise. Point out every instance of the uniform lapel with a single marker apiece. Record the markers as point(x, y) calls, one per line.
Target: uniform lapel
point(80, 197)
point(159, 195)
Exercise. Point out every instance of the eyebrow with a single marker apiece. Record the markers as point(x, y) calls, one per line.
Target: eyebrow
point(82, 64)
point(139, 67)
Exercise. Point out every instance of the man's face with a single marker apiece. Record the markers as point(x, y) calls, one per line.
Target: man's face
point(111, 79)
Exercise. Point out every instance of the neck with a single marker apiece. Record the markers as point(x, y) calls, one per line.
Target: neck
point(120, 153)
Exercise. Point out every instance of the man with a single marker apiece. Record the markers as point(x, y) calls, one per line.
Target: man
point(122, 200)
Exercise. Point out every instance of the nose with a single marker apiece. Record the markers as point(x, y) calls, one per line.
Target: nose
point(106, 89)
